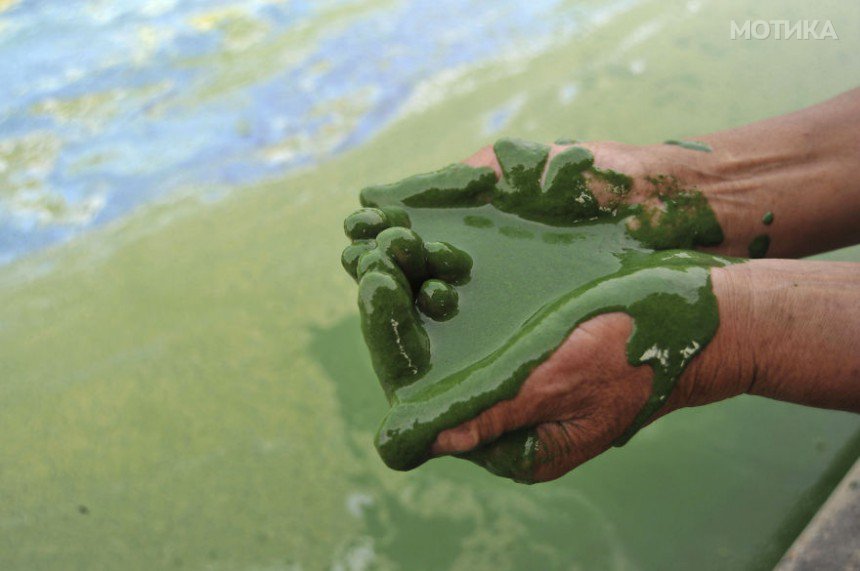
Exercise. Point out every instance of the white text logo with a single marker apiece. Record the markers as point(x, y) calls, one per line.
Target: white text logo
point(783, 30)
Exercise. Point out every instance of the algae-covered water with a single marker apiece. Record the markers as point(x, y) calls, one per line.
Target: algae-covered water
point(184, 385)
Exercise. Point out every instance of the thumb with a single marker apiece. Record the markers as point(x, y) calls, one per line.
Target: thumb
point(503, 417)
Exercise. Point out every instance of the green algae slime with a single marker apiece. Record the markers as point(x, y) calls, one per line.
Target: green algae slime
point(454, 327)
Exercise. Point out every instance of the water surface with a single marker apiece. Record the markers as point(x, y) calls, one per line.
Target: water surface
point(184, 384)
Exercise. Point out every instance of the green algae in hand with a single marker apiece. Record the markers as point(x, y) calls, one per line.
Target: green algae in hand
point(509, 269)
point(681, 219)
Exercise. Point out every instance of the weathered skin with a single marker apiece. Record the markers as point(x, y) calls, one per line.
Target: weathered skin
point(455, 328)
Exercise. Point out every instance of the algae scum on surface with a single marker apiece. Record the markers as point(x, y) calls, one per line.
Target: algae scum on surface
point(467, 283)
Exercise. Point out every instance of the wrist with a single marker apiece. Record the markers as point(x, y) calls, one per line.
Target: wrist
point(801, 168)
point(739, 189)
point(727, 366)
point(753, 192)
point(730, 186)
point(788, 331)
point(803, 327)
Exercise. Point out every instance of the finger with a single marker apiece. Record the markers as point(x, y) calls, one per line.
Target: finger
point(511, 456)
point(566, 387)
point(540, 454)
point(485, 157)
point(457, 185)
point(398, 344)
point(564, 446)
point(523, 410)
point(561, 145)
point(505, 416)
point(540, 399)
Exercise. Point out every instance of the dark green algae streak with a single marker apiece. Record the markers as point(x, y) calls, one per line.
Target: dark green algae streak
point(454, 328)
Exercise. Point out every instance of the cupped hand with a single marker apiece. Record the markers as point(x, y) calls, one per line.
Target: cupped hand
point(584, 397)
point(660, 169)
point(579, 401)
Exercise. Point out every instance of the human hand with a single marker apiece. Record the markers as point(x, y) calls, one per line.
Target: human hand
point(654, 172)
point(580, 400)
point(788, 331)
point(618, 167)
point(783, 187)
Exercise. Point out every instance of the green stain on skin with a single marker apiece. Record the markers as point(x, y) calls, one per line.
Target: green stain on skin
point(619, 183)
point(522, 163)
point(759, 245)
point(682, 219)
point(448, 342)
point(767, 219)
point(690, 145)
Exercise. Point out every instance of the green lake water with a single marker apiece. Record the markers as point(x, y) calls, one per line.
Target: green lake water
point(187, 387)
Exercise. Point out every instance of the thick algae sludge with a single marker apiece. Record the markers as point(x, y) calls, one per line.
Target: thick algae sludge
point(466, 283)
